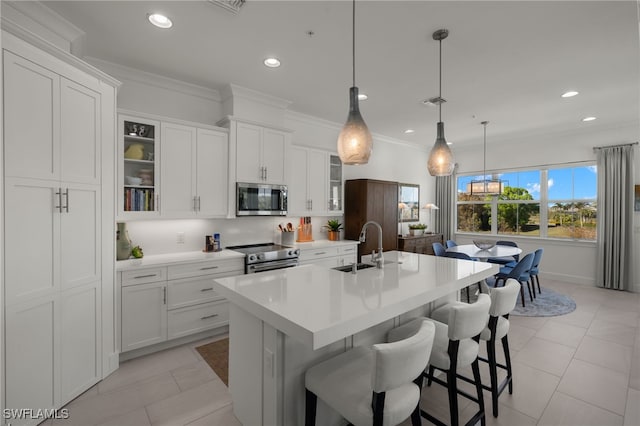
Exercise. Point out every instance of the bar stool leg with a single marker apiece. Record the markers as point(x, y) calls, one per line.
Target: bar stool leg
point(493, 374)
point(416, 419)
point(311, 401)
point(507, 357)
point(478, 380)
point(452, 384)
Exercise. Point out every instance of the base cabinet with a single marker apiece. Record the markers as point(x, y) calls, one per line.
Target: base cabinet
point(421, 244)
point(168, 302)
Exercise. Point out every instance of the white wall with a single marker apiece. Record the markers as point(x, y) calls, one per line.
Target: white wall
point(567, 261)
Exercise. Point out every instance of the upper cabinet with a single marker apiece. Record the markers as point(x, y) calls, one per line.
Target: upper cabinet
point(315, 183)
point(260, 154)
point(171, 169)
point(194, 171)
point(138, 154)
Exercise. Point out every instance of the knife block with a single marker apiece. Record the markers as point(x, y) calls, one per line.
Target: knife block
point(305, 233)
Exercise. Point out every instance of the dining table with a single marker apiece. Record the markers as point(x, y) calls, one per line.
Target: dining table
point(497, 251)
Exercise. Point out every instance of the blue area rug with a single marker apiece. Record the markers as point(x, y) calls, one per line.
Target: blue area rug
point(549, 303)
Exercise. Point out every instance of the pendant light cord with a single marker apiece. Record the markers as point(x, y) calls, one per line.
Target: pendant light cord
point(484, 164)
point(353, 42)
point(440, 89)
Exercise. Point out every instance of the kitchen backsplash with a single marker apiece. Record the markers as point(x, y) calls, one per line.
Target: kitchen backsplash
point(161, 236)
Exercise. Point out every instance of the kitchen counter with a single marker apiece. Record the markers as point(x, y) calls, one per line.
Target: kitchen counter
point(176, 258)
point(284, 321)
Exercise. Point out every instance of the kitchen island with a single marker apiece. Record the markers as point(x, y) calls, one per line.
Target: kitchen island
point(284, 321)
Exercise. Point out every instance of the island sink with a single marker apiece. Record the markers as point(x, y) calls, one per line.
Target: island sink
point(349, 268)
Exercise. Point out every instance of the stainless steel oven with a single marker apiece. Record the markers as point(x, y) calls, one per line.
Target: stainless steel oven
point(258, 199)
point(267, 257)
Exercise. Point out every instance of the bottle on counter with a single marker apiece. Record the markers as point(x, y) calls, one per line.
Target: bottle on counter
point(216, 242)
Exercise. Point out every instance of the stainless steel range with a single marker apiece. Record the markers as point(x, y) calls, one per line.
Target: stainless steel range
point(267, 257)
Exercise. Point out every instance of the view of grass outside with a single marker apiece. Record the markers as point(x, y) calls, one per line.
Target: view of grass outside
point(518, 207)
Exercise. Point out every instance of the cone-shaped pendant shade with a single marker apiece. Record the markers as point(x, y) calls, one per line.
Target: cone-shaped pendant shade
point(440, 158)
point(354, 142)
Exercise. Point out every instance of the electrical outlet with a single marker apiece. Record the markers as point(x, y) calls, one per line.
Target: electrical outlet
point(180, 238)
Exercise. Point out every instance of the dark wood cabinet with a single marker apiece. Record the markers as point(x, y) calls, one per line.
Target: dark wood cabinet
point(420, 244)
point(368, 199)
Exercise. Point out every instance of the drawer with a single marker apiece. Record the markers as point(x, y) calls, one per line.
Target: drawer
point(141, 276)
point(310, 255)
point(193, 319)
point(348, 250)
point(198, 269)
point(190, 291)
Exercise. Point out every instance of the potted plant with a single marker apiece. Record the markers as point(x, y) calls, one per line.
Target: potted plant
point(333, 229)
point(417, 229)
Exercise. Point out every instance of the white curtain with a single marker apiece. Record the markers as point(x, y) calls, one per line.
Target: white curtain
point(445, 200)
point(615, 217)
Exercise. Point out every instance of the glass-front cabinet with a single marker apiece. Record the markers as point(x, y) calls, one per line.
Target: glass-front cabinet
point(335, 184)
point(138, 167)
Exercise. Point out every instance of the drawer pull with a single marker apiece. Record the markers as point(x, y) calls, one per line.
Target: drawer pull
point(206, 289)
point(208, 267)
point(145, 276)
point(320, 252)
point(209, 316)
point(349, 249)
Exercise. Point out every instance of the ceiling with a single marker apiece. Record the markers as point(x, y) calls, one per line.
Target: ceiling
point(507, 62)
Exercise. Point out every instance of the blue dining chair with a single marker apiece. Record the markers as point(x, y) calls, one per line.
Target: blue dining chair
point(438, 249)
point(535, 268)
point(507, 261)
point(520, 272)
point(464, 256)
point(451, 243)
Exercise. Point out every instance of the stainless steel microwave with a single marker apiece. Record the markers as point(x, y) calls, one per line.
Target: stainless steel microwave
point(259, 199)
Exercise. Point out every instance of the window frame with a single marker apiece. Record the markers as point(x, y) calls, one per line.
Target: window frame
point(542, 202)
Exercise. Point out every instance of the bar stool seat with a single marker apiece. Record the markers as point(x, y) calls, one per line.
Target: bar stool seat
point(377, 385)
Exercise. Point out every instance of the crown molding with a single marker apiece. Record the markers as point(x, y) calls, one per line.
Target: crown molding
point(331, 125)
point(234, 91)
point(150, 79)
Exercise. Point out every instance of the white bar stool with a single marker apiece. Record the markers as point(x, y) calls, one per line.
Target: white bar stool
point(377, 385)
point(503, 300)
point(456, 346)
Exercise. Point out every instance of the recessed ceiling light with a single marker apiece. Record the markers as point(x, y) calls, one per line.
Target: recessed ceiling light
point(409, 131)
point(272, 62)
point(362, 97)
point(160, 21)
point(589, 118)
point(569, 94)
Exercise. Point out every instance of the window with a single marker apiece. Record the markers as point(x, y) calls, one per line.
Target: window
point(568, 192)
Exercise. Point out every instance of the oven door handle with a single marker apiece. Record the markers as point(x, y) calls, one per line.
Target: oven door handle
point(270, 266)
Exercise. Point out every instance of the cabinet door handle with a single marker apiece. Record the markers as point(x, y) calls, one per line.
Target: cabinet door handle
point(349, 249)
point(59, 194)
point(265, 173)
point(209, 316)
point(208, 267)
point(206, 289)
point(144, 276)
point(66, 196)
point(198, 203)
point(195, 205)
point(320, 252)
point(164, 295)
point(311, 203)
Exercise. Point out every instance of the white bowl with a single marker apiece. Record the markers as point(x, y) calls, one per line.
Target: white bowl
point(132, 180)
point(484, 244)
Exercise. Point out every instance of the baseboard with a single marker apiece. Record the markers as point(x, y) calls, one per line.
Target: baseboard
point(573, 279)
point(173, 343)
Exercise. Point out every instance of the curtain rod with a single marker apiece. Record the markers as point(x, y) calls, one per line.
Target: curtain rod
point(615, 146)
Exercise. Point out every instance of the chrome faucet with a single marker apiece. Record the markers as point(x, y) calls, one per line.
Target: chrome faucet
point(376, 257)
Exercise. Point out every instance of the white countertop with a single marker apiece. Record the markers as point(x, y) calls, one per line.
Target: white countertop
point(320, 244)
point(318, 306)
point(176, 258)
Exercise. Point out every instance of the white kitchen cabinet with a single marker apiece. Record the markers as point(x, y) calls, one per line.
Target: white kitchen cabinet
point(328, 255)
point(260, 154)
point(167, 302)
point(194, 171)
point(59, 116)
point(315, 183)
point(144, 315)
point(138, 171)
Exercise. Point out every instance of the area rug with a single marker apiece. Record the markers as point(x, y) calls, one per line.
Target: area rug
point(546, 304)
point(549, 303)
point(216, 354)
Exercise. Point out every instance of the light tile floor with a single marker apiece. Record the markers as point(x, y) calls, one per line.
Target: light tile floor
point(577, 369)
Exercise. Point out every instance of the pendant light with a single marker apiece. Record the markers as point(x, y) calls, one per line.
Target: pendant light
point(354, 142)
point(440, 158)
point(485, 186)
